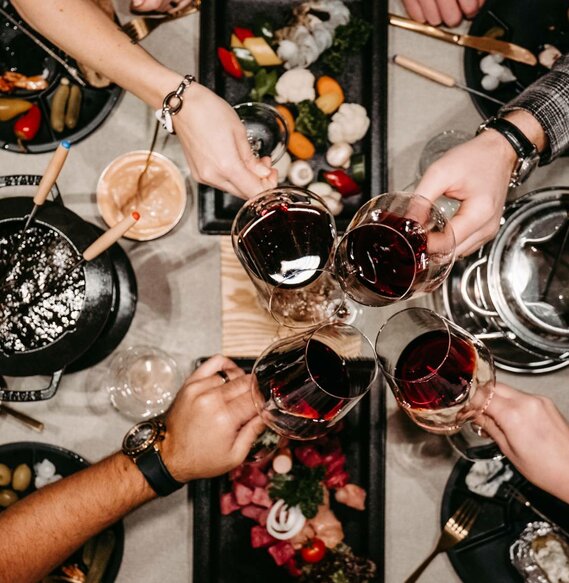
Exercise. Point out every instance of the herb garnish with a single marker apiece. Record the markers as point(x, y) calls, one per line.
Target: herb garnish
point(301, 487)
point(348, 39)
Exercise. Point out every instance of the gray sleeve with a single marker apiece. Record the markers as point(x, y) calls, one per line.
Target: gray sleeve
point(548, 101)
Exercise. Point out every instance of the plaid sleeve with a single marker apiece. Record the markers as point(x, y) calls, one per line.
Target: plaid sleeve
point(548, 101)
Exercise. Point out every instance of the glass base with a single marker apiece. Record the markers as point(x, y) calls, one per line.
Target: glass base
point(473, 444)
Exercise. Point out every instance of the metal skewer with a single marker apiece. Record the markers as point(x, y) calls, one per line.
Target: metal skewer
point(438, 77)
point(71, 70)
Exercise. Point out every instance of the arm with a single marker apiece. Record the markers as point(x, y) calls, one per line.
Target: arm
point(210, 429)
point(435, 12)
point(477, 173)
point(531, 432)
point(217, 153)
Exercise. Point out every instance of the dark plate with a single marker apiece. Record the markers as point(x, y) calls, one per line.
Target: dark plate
point(222, 549)
point(484, 555)
point(528, 23)
point(364, 81)
point(18, 52)
point(121, 314)
point(66, 463)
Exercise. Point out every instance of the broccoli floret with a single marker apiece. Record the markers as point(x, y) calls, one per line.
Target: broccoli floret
point(312, 122)
point(348, 39)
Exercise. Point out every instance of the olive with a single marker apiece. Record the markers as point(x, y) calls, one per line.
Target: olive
point(7, 497)
point(21, 478)
point(5, 475)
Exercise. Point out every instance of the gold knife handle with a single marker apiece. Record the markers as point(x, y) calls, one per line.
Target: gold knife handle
point(424, 71)
point(22, 417)
point(425, 29)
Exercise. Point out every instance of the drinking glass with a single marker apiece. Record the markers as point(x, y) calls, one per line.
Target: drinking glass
point(397, 244)
point(266, 129)
point(303, 385)
point(142, 381)
point(284, 235)
point(441, 375)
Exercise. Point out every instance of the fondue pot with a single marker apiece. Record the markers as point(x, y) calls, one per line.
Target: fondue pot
point(53, 358)
point(515, 293)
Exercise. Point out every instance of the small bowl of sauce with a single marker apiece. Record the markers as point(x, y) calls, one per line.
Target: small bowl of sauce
point(160, 198)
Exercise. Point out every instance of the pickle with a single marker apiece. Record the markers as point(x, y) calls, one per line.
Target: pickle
point(58, 104)
point(73, 107)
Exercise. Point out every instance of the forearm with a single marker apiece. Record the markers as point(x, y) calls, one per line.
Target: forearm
point(86, 33)
point(41, 531)
point(547, 100)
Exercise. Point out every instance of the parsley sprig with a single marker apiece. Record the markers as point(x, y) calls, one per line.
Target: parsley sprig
point(302, 487)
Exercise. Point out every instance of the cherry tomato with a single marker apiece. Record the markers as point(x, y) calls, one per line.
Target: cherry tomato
point(313, 551)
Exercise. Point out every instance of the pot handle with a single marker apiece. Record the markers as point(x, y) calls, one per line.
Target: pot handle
point(34, 395)
point(465, 280)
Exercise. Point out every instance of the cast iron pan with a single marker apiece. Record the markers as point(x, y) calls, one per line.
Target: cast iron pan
point(529, 23)
point(98, 292)
point(66, 463)
point(19, 53)
point(484, 555)
point(122, 310)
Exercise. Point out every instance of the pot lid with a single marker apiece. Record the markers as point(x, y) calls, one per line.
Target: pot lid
point(528, 269)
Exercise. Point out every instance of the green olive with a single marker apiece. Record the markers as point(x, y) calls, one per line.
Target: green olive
point(7, 498)
point(5, 475)
point(21, 478)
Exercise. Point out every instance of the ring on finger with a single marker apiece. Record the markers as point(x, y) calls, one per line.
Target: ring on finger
point(223, 375)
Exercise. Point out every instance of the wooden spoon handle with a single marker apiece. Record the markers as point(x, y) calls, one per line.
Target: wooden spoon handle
point(52, 172)
point(424, 71)
point(110, 237)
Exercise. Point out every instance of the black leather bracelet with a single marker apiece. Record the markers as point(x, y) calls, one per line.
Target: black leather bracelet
point(522, 146)
point(151, 465)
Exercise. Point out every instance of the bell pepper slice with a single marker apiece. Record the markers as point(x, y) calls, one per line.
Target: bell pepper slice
point(243, 33)
point(342, 182)
point(27, 126)
point(229, 62)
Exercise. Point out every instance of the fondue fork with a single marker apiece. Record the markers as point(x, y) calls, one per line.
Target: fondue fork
point(100, 245)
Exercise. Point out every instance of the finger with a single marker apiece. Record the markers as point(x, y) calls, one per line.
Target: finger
point(466, 224)
point(414, 10)
point(432, 184)
point(211, 365)
point(252, 163)
point(145, 5)
point(242, 408)
point(489, 426)
point(450, 12)
point(472, 244)
point(431, 12)
point(214, 381)
point(246, 436)
point(469, 7)
point(240, 386)
point(178, 6)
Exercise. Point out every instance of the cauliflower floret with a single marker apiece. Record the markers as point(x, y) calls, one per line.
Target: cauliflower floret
point(349, 124)
point(295, 86)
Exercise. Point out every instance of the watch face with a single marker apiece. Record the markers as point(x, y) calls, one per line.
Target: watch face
point(139, 437)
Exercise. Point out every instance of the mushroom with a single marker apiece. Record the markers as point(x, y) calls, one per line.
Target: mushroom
point(339, 155)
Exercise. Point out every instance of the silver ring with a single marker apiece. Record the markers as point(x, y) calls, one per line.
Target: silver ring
point(224, 376)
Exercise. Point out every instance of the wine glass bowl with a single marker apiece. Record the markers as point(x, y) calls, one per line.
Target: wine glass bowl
point(266, 129)
point(397, 244)
point(440, 375)
point(303, 385)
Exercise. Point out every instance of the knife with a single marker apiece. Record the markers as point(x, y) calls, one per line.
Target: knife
point(480, 43)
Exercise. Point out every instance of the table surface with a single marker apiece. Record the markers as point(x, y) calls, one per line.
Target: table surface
point(179, 310)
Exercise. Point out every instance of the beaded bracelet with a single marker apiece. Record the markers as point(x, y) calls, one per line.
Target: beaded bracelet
point(172, 104)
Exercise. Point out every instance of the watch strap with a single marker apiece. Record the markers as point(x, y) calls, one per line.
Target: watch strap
point(517, 139)
point(151, 465)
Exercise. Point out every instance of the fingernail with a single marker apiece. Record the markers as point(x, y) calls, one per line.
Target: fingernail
point(137, 3)
point(262, 171)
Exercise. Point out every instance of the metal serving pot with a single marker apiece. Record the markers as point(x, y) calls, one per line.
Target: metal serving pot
point(52, 358)
point(515, 292)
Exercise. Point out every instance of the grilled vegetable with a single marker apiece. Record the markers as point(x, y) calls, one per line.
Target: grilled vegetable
point(101, 557)
point(341, 182)
point(10, 108)
point(58, 104)
point(300, 146)
point(243, 33)
point(73, 107)
point(229, 62)
point(27, 126)
point(262, 51)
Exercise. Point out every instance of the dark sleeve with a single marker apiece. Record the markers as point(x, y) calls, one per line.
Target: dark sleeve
point(548, 101)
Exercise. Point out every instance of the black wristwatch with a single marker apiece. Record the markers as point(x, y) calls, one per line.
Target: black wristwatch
point(142, 445)
point(528, 156)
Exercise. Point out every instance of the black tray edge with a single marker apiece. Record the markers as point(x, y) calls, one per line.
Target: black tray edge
point(205, 513)
point(208, 222)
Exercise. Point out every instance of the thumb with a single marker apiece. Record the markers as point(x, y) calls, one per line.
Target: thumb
point(246, 436)
point(254, 164)
point(433, 184)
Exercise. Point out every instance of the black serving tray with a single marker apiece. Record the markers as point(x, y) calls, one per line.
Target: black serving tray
point(364, 81)
point(222, 549)
point(485, 554)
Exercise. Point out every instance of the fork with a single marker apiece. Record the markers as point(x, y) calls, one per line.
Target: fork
point(454, 531)
point(140, 27)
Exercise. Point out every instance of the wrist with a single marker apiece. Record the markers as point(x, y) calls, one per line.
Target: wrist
point(131, 479)
point(529, 126)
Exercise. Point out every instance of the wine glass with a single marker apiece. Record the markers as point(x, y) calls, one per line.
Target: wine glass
point(441, 375)
point(303, 385)
point(142, 381)
point(397, 244)
point(281, 232)
point(266, 129)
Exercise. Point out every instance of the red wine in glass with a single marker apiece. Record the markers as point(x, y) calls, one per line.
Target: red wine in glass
point(286, 239)
point(307, 387)
point(387, 258)
point(433, 374)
